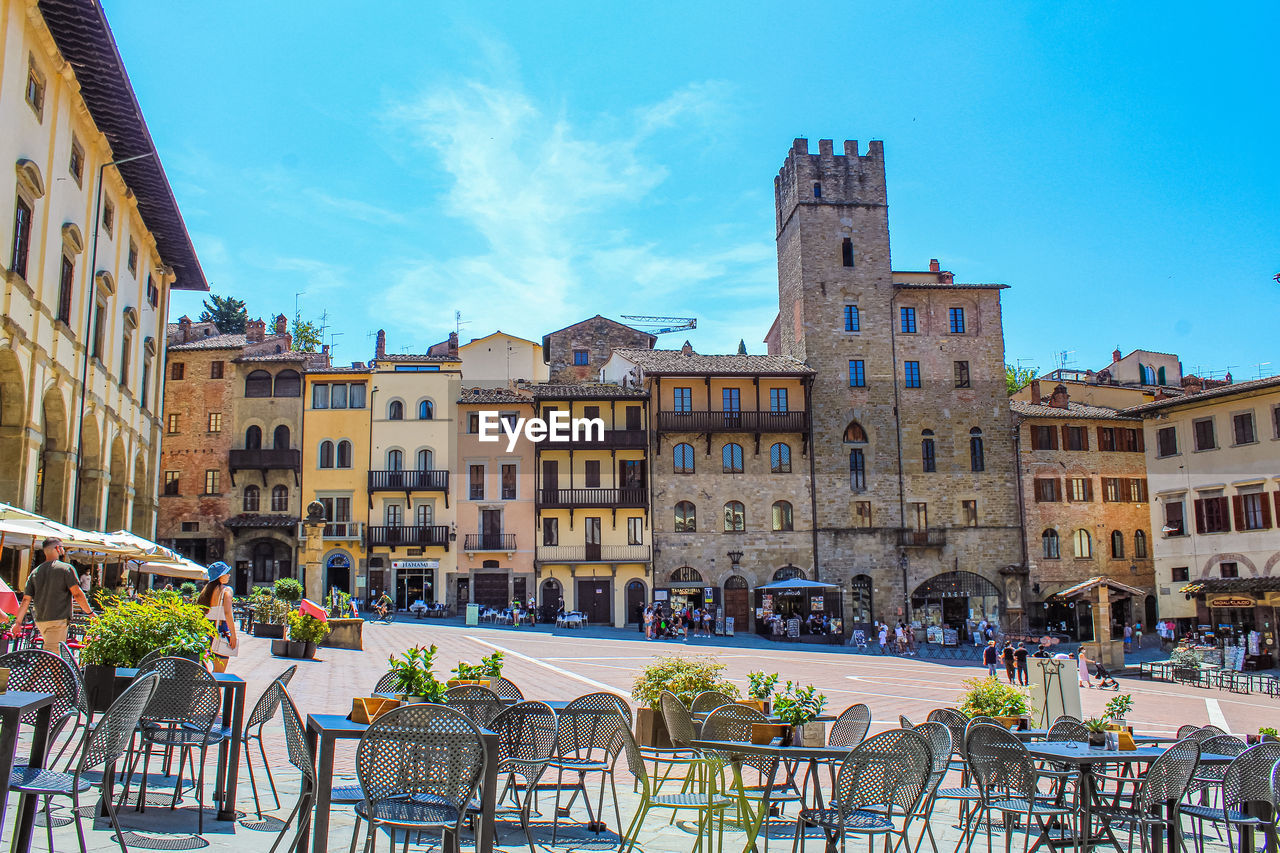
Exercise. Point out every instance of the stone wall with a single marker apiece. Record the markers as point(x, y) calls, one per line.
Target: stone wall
point(599, 336)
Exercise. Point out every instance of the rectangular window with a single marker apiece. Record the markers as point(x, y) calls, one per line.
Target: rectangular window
point(857, 470)
point(108, 216)
point(190, 527)
point(177, 371)
point(473, 422)
point(550, 531)
point(778, 400)
point(1174, 521)
point(962, 374)
point(170, 482)
point(355, 395)
point(846, 245)
point(1202, 430)
point(215, 370)
point(919, 513)
point(338, 396)
point(66, 285)
point(907, 316)
point(35, 88)
point(581, 357)
point(1212, 515)
point(1137, 490)
point(635, 530)
point(21, 237)
point(1106, 438)
point(1113, 489)
point(153, 292)
point(1242, 426)
point(477, 482)
point(76, 165)
point(133, 258)
point(1229, 570)
point(862, 514)
point(851, 319)
point(911, 374)
point(957, 321)
point(1044, 438)
point(99, 329)
point(320, 396)
point(730, 398)
point(857, 374)
point(682, 399)
point(145, 389)
point(508, 482)
point(969, 513)
point(587, 412)
point(215, 422)
point(393, 515)
point(592, 469)
point(1079, 489)
point(1129, 440)
point(1047, 490)
point(1077, 438)
point(171, 425)
point(928, 455)
point(126, 356)
point(211, 477)
point(1253, 511)
point(1180, 574)
point(1166, 441)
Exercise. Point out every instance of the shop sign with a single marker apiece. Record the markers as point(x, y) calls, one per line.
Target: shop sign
point(687, 590)
point(415, 564)
point(815, 603)
point(707, 597)
point(1233, 600)
point(339, 561)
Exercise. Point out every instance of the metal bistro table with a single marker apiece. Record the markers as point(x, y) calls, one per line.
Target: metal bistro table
point(1028, 735)
point(233, 688)
point(1086, 757)
point(14, 705)
point(323, 733)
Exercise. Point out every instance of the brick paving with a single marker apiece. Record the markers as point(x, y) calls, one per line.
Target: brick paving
point(556, 664)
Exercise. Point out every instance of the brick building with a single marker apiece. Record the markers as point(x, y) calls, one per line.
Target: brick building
point(576, 353)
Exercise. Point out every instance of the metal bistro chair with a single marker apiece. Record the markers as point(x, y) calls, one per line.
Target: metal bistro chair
point(480, 704)
point(1248, 780)
point(526, 739)
point(262, 713)
point(83, 715)
point(1166, 780)
point(879, 784)
point(673, 756)
point(1063, 730)
point(104, 745)
point(708, 700)
point(849, 730)
point(955, 723)
point(907, 724)
point(586, 735)
point(387, 683)
point(505, 688)
point(939, 738)
point(151, 657)
point(45, 672)
point(419, 766)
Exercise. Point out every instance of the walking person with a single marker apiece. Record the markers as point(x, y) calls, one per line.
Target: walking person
point(648, 623)
point(1086, 680)
point(1128, 638)
point(990, 658)
point(1020, 664)
point(884, 637)
point(53, 586)
point(216, 599)
point(1137, 635)
point(1007, 658)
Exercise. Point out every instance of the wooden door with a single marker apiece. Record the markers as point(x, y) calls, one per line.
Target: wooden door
point(550, 480)
point(593, 538)
point(736, 605)
point(594, 598)
point(491, 529)
point(635, 602)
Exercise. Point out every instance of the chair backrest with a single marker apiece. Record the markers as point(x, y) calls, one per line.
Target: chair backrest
point(850, 728)
point(1071, 717)
point(904, 722)
point(1249, 778)
point(285, 677)
point(708, 700)
point(602, 702)
point(1205, 733)
point(269, 702)
point(588, 727)
point(295, 733)
point(676, 716)
point(44, 672)
point(955, 723)
point(734, 722)
point(982, 718)
point(1187, 730)
point(1217, 745)
point(1000, 763)
point(939, 738)
point(187, 693)
point(151, 657)
point(114, 730)
point(1067, 731)
point(1170, 775)
point(388, 683)
point(480, 704)
point(526, 737)
point(506, 689)
point(890, 769)
point(427, 750)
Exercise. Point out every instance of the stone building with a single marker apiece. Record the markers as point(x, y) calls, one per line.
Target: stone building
point(93, 250)
point(731, 492)
point(1128, 380)
point(1085, 509)
point(576, 353)
point(915, 479)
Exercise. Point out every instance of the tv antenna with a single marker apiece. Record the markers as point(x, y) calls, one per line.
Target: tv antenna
point(1063, 357)
point(1258, 368)
point(458, 322)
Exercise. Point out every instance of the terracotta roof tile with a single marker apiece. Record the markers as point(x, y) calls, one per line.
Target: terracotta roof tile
point(1222, 391)
point(493, 395)
point(212, 342)
point(676, 362)
point(1074, 411)
point(595, 391)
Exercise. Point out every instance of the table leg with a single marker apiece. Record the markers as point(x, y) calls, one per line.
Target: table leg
point(8, 748)
point(319, 816)
point(489, 794)
point(229, 768)
point(27, 802)
point(1088, 786)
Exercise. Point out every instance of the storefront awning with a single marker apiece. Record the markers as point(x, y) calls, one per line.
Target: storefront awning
point(796, 585)
point(1091, 584)
point(1209, 586)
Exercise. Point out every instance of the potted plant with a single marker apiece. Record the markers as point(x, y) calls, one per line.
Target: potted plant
point(489, 667)
point(796, 707)
point(270, 616)
point(415, 681)
point(1185, 664)
point(1097, 727)
point(989, 697)
point(288, 589)
point(1265, 734)
point(305, 633)
point(6, 631)
point(760, 689)
point(686, 677)
point(1117, 709)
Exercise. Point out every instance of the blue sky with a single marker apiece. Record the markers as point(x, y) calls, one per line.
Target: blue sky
point(531, 164)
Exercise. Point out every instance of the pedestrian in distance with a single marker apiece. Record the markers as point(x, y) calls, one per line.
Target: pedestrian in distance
point(216, 599)
point(1137, 635)
point(884, 637)
point(53, 586)
point(990, 658)
point(1007, 658)
point(1086, 680)
point(1128, 638)
point(1020, 664)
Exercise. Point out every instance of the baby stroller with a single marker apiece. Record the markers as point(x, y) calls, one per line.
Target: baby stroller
point(1105, 681)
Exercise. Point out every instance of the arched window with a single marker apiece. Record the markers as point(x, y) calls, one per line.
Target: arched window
point(789, 573)
point(250, 498)
point(732, 458)
point(395, 460)
point(686, 521)
point(780, 458)
point(253, 438)
point(857, 470)
point(1049, 544)
point(1160, 376)
point(395, 412)
point(344, 454)
point(288, 384)
point(425, 410)
point(280, 438)
point(682, 459)
point(735, 517)
point(928, 452)
point(1117, 545)
point(257, 384)
point(855, 434)
point(326, 454)
point(782, 516)
point(977, 457)
point(280, 499)
point(1084, 544)
point(425, 460)
point(1140, 543)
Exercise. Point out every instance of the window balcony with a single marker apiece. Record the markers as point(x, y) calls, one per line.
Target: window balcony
point(592, 554)
point(266, 460)
point(932, 537)
point(409, 481)
point(631, 497)
point(351, 531)
point(733, 421)
point(489, 542)
point(430, 536)
point(613, 439)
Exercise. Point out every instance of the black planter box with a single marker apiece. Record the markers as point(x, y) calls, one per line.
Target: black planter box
point(104, 686)
point(272, 632)
point(290, 649)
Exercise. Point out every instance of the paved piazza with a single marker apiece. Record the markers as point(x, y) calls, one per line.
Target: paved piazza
point(560, 665)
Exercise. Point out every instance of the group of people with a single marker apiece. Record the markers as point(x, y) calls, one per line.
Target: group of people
point(1014, 659)
point(902, 636)
point(660, 622)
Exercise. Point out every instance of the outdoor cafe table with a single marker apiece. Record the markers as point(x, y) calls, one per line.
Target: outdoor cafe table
point(323, 733)
point(14, 705)
point(1086, 757)
point(232, 687)
point(1025, 735)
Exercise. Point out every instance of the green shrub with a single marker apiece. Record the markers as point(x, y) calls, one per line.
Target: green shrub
point(761, 686)
point(338, 603)
point(414, 674)
point(306, 629)
point(188, 590)
point(271, 611)
point(123, 633)
point(1119, 707)
point(685, 677)
point(489, 667)
point(798, 705)
point(288, 589)
point(989, 697)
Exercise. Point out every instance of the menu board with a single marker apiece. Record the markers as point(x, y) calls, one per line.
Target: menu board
point(933, 634)
point(950, 637)
point(815, 603)
point(766, 600)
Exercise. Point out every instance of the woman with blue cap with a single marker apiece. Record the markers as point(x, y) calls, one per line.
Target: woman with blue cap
point(216, 597)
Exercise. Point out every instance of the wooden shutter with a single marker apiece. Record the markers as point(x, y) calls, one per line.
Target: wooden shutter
point(1040, 492)
point(1276, 497)
point(1199, 504)
point(1237, 510)
point(1066, 438)
point(1142, 446)
point(1100, 442)
point(1067, 490)
point(1106, 491)
point(1088, 487)
point(1266, 512)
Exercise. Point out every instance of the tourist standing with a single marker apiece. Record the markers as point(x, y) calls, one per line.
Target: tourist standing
point(990, 658)
point(53, 586)
point(1137, 635)
point(1007, 658)
point(1128, 638)
point(648, 623)
point(216, 599)
point(1020, 663)
point(884, 637)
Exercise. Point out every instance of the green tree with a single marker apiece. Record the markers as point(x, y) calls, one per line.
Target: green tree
point(226, 312)
point(306, 335)
point(1017, 378)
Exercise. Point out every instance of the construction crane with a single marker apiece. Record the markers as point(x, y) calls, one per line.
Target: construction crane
point(667, 324)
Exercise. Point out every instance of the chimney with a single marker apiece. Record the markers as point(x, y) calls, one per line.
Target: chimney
point(1227, 378)
point(934, 266)
point(1115, 355)
point(324, 350)
point(255, 331)
point(1060, 398)
point(687, 349)
point(380, 348)
point(184, 328)
point(282, 325)
point(453, 344)
point(1035, 391)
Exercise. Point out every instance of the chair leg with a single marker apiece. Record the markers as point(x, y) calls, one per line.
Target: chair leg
point(297, 808)
point(75, 811)
point(355, 834)
point(200, 793)
point(115, 824)
point(267, 767)
point(48, 822)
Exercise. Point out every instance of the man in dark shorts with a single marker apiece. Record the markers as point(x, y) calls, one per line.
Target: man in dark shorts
point(1020, 664)
point(53, 586)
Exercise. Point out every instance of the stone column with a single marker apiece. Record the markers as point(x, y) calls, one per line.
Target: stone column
point(309, 553)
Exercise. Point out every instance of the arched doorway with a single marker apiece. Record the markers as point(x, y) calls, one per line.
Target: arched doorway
point(636, 600)
point(953, 599)
point(550, 597)
point(51, 477)
point(860, 603)
point(91, 474)
point(338, 572)
point(737, 602)
point(13, 412)
point(685, 589)
point(117, 491)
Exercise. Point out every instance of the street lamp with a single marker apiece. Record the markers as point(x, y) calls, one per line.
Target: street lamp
point(735, 557)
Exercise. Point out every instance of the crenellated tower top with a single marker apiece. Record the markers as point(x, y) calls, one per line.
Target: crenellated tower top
point(829, 178)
